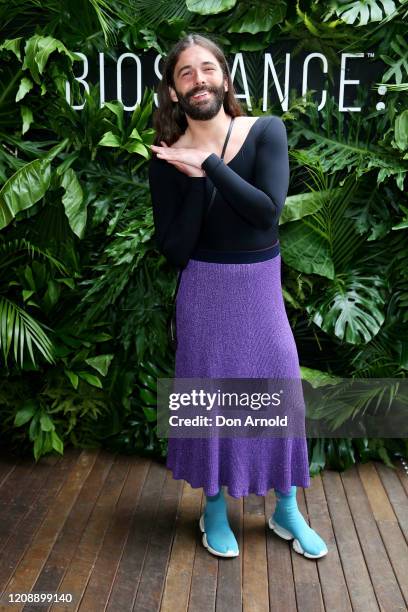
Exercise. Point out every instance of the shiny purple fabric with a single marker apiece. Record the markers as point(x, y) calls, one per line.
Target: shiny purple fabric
point(232, 323)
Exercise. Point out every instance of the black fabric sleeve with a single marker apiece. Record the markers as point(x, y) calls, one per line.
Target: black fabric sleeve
point(177, 215)
point(259, 204)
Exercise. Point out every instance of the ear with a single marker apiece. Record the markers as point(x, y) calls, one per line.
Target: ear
point(173, 94)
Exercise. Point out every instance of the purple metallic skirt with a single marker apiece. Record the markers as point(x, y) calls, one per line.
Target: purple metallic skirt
point(232, 323)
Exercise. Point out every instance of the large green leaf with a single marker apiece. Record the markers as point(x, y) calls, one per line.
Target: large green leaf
point(90, 378)
point(401, 131)
point(14, 45)
point(303, 248)
point(37, 51)
point(210, 7)
point(26, 412)
point(25, 86)
point(137, 147)
point(259, 17)
point(303, 204)
point(27, 117)
point(74, 202)
point(109, 139)
point(57, 443)
point(362, 12)
point(101, 363)
point(317, 378)
point(117, 108)
point(23, 189)
point(46, 422)
point(350, 308)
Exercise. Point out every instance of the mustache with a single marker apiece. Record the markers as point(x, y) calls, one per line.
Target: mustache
point(195, 93)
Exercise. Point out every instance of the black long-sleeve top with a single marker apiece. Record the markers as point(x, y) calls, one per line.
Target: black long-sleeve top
point(251, 192)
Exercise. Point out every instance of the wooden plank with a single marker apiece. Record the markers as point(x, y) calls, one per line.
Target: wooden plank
point(376, 494)
point(229, 585)
point(381, 573)
point(15, 481)
point(179, 576)
point(358, 580)
point(397, 550)
point(103, 571)
point(282, 597)
point(396, 495)
point(130, 568)
point(7, 466)
point(124, 583)
point(391, 531)
point(40, 496)
point(308, 590)
point(20, 490)
point(330, 571)
point(85, 554)
point(151, 584)
point(254, 565)
point(63, 552)
point(402, 470)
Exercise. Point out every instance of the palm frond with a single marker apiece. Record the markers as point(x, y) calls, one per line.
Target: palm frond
point(10, 253)
point(23, 331)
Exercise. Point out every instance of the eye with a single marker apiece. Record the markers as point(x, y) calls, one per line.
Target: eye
point(188, 72)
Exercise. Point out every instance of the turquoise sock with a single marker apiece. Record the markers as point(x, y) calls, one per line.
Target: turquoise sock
point(219, 534)
point(288, 516)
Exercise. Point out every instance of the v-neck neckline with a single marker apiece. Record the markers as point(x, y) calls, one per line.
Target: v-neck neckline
point(245, 141)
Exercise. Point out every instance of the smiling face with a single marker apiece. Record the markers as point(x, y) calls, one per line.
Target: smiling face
point(197, 72)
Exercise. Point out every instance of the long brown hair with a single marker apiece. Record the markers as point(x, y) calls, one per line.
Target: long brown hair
point(169, 121)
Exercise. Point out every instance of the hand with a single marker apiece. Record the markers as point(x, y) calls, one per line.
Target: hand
point(186, 160)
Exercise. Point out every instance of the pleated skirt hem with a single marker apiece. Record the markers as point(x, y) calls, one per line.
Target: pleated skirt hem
point(232, 492)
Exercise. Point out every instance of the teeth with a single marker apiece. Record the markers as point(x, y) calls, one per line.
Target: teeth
point(201, 95)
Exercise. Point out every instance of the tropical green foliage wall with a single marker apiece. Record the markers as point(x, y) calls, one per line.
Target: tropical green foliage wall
point(84, 294)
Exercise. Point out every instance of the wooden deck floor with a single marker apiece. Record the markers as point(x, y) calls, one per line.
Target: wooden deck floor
point(119, 533)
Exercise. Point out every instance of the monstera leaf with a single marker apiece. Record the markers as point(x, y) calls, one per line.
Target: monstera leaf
point(351, 308)
point(361, 12)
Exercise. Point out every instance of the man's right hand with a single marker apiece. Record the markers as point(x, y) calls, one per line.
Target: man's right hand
point(185, 168)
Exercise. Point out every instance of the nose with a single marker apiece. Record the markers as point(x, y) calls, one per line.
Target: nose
point(200, 77)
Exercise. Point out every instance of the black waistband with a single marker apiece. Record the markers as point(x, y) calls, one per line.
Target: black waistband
point(236, 256)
